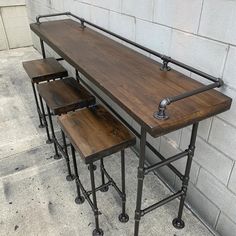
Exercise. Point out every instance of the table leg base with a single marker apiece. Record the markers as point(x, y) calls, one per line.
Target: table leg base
point(123, 218)
point(70, 177)
point(178, 223)
point(98, 232)
point(79, 200)
point(49, 141)
point(57, 156)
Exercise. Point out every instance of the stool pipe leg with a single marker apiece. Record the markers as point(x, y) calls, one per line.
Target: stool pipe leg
point(77, 75)
point(105, 189)
point(97, 231)
point(42, 48)
point(69, 177)
point(37, 106)
point(178, 222)
point(123, 217)
point(140, 181)
point(45, 121)
point(79, 199)
point(57, 155)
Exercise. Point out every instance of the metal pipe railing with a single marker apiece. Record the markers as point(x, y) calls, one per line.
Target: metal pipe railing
point(160, 114)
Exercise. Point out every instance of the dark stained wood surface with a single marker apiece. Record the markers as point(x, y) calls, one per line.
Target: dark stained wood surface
point(65, 95)
point(44, 69)
point(95, 133)
point(132, 80)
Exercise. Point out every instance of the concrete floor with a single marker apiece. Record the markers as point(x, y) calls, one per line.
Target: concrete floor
point(35, 198)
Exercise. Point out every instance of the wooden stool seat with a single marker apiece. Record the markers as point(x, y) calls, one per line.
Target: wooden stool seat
point(65, 95)
point(95, 133)
point(44, 69)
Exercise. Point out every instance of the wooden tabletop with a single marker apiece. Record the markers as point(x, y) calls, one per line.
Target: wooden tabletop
point(134, 81)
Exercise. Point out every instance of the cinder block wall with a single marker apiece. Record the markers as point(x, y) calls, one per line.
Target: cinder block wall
point(200, 33)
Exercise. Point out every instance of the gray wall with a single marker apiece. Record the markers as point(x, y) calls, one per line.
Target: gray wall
point(14, 25)
point(201, 33)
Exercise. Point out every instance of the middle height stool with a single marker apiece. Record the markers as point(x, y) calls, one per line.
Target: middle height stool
point(95, 134)
point(62, 96)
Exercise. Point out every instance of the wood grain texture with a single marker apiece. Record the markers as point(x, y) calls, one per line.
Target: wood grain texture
point(134, 81)
point(44, 69)
point(95, 133)
point(65, 95)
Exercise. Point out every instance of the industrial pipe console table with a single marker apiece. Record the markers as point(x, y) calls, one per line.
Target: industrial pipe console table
point(159, 98)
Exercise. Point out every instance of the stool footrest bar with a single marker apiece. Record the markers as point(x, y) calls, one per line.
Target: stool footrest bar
point(161, 203)
point(86, 195)
point(100, 187)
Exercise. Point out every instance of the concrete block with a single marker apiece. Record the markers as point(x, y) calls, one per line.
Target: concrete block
point(153, 36)
point(114, 5)
point(218, 20)
point(174, 137)
point(139, 8)
point(229, 75)
point(180, 14)
point(209, 158)
point(223, 136)
point(201, 53)
point(229, 115)
point(218, 193)
point(100, 17)
point(9, 3)
point(3, 39)
point(208, 211)
point(164, 172)
point(58, 5)
point(168, 149)
point(20, 37)
point(81, 10)
point(122, 25)
point(225, 226)
point(204, 128)
point(232, 181)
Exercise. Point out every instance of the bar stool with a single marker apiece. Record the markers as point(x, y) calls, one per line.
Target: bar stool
point(95, 134)
point(43, 70)
point(62, 96)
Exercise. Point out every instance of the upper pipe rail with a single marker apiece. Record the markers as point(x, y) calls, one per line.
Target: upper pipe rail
point(160, 114)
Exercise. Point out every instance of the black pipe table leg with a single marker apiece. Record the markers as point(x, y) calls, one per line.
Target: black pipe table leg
point(79, 199)
point(57, 155)
point(70, 176)
point(49, 140)
point(37, 107)
point(178, 222)
point(140, 181)
point(97, 231)
point(123, 217)
point(106, 188)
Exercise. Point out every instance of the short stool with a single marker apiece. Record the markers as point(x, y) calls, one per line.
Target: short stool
point(43, 70)
point(62, 96)
point(95, 133)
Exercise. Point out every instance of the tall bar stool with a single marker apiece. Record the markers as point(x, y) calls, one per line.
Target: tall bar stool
point(95, 134)
point(62, 96)
point(43, 70)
